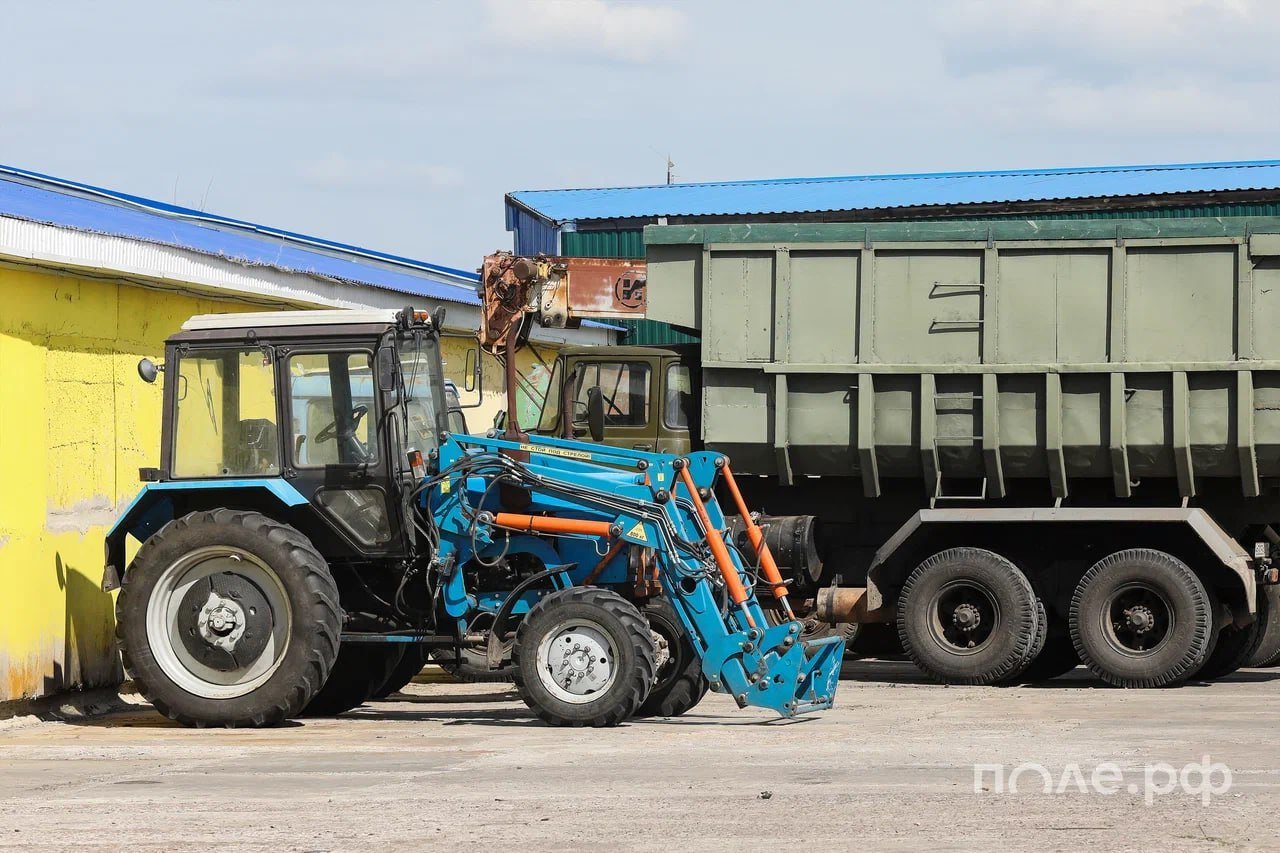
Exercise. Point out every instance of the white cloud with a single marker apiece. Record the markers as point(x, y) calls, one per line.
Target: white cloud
point(622, 32)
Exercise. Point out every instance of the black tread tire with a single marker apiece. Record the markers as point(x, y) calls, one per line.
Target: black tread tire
point(1008, 649)
point(1058, 657)
point(361, 668)
point(684, 685)
point(313, 597)
point(1268, 652)
point(629, 632)
point(1235, 646)
point(409, 665)
point(1187, 648)
point(473, 673)
point(1016, 676)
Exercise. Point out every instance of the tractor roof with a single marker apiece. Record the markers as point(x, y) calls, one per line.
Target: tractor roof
point(273, 319)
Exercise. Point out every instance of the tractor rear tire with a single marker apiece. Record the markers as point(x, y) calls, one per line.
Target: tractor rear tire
point(411, 663)
point(1142, 618)
point(228, 618)
point(1236, 646)
point(561, 642)
point(968, 616)
point(360, 670)
point(1268, 651)
point(680, 684)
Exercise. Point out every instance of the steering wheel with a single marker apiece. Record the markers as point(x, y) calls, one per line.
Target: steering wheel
point(331, 431)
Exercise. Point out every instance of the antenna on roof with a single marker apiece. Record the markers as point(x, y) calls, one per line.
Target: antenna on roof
point(670, 166)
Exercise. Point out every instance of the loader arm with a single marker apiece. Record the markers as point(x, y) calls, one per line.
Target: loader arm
point(664, 504)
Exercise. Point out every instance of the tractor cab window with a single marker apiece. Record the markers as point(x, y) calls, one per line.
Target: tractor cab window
point(332, 409)
point(225, 419)
point(419, 372)
point(679, 397)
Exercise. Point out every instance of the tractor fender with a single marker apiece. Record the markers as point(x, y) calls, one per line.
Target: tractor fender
point(153, 508)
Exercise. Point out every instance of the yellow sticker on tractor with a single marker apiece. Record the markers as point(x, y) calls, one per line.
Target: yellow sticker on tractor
point(444, 486)
point(637, 532)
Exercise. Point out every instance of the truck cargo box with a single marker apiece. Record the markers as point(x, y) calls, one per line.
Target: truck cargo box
point(970, 354)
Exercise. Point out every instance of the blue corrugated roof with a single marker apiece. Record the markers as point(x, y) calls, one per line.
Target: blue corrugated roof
point(874, 192)
point(68, 204)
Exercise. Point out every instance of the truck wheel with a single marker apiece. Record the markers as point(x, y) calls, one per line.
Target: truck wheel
point(968, 616)
point(679, 684)
point(1018, 675)
point(1141, 618)
point(1058, 657)
point(472, 666)
point(411, 663)
point(1268, 651)
point(361, 668)
point(584, 657)
point(227, 618)
point(1236, 646)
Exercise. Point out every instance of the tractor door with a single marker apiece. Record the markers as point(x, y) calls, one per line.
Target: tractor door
point(335, 447)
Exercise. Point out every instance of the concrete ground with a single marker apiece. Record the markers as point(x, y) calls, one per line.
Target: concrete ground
point(465, 767)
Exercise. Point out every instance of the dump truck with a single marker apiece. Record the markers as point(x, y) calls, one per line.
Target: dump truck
point(1013, 445)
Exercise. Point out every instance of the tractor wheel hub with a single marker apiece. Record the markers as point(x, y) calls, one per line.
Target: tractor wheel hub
point(967, 617)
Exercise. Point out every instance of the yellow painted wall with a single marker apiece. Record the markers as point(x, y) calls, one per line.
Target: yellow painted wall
point(76, 423)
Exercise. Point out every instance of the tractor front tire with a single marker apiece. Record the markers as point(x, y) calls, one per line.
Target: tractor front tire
point(228, 618)
point(410, 664)
point(584, 657)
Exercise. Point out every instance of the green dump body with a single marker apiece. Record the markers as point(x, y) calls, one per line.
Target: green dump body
point(977, 356)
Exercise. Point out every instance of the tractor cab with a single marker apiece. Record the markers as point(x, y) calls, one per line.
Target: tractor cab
point(322, 405)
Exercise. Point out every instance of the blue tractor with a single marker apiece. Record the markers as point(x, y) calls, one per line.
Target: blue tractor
point(315, 530)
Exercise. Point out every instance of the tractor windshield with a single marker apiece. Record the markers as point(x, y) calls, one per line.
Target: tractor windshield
point(421, 373)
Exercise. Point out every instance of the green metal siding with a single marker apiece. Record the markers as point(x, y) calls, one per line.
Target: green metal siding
point(627, 243)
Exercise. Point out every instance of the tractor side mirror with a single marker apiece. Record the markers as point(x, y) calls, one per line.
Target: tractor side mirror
point(387, 369)
point(471, 371)
point(149, 370)
point(500, 421)
point(595, 413)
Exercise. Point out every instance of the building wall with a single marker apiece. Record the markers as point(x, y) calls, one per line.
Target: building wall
point(76, 423)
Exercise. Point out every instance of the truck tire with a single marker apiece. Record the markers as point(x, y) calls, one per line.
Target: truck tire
point(1018, 676)
point(472, 666)
point(1236, 646)
point(679, 684)
point(968, 616)
point(584, 657)
point(411, 663)
point(1268, 652)
point(1058, 657)
point(1141, 618)
point(228, 618)
point(361, 668)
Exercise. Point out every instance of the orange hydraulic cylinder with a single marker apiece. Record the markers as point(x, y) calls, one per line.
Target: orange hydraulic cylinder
point(549, 524)
point(718, 549)
point(756, 535)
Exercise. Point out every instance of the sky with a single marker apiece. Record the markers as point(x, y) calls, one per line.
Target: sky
point(400, 125)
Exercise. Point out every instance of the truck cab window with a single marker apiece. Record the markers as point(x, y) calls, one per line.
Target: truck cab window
point(332, 408)
point(625, 387)
point(225, 424)
point(679, 397)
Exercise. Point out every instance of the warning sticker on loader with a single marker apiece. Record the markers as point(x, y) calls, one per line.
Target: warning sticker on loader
point(556, 451)
point(637, 533)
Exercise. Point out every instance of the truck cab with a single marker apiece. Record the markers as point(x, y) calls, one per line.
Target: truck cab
point(648, 398)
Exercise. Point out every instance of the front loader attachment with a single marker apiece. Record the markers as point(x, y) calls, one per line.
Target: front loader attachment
point(777, 670)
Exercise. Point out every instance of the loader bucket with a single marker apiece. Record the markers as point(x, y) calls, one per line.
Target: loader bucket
point(778, 672)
